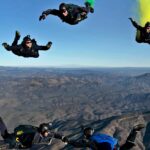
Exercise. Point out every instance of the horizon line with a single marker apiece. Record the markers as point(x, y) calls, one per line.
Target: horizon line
point(76, 67)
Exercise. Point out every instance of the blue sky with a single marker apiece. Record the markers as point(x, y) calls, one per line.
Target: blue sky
point(105, 39)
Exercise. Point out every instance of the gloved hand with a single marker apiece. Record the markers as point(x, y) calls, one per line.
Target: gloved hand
point(65, 139)
point(42, 17)
point(49, 44)
point(131, 19)
point(5, 45)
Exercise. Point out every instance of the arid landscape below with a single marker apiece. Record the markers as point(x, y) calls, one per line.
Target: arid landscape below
point(111, 100)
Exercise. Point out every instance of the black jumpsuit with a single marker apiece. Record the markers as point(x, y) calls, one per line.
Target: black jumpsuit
point(22, 50)
point(74, 13)
point(28, 139)
point(144, 35)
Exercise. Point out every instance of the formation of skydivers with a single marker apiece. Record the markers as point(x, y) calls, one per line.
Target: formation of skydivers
point(69, 13)
point(25, 136)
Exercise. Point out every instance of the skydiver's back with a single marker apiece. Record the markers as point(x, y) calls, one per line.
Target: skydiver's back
point(103, 141)
point(25, 134)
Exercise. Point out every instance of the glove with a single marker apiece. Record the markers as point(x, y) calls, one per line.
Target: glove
point(5, 45)
point(42, 17)
point(130, 19)
point(48, 45)
point(65, 139)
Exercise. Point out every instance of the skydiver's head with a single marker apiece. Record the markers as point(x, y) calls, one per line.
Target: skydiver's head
point(63, 9)
point(44, 129)
point(147, 27)
point(88, 132)
point(27, 42)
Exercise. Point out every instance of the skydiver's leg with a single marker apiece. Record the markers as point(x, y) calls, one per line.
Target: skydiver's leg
point(80, 13)
point(83, 11)
point(16, 39)
point(3, 129)
point(89, 8)
point(130, 142)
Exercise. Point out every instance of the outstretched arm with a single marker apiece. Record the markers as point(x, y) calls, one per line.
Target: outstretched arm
point(48, 12)
point(46, 47)
point(79, 144)
point(134, 23)
point(57, 135)
point(11, 48)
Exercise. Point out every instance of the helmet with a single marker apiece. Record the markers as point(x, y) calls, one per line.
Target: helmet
point(44, 127)
point(27, 38)
point(88, 132)
point(62, 6)
point(147, 24)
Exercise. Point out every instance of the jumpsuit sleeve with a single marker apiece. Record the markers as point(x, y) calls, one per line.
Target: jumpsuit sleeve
point(14, 48)
point(40, 47)
point(84, 9)
point(54, 12)
point(136, 25)
point(56, 135)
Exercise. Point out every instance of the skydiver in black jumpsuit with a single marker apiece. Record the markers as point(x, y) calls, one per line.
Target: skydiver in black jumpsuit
point(144, 31)
point(28, 47)
point(69, 13)
point(34, 135)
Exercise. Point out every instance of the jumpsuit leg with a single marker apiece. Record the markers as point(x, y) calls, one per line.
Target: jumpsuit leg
point(3, 129)
point(16, 39)
point(130, 142)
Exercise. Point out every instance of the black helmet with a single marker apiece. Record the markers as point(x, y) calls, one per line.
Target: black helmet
point(27, 38)
point(62, 6)
point(147, 24)
point(88, 132)
point(44, 127)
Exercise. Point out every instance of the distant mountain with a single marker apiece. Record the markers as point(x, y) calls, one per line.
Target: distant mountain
point(68, 96)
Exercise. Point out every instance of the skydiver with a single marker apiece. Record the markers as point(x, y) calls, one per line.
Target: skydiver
point(102, 141)
point(26, 136)
point(28, 47)
point(143, 33)
point(69, 13)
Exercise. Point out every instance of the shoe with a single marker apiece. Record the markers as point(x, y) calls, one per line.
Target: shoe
point(91, 9)
point(17, 35)
point(138, 127)
point(87, 4)
point(132, 143)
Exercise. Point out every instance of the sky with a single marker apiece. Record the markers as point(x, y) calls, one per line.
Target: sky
point(105, 39)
